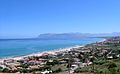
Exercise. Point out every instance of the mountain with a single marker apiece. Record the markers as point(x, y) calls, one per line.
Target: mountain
point(106, 34)
point(75, 35)
point(61, 36)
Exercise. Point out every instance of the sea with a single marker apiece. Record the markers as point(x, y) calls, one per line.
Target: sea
point(21, 47)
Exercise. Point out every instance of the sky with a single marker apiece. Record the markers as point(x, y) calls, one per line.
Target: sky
point(29, 18)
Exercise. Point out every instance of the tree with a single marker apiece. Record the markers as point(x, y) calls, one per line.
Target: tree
point(111, 68)
point(46, 67)
point(112, 65)
point(54, 62)
point(58, 70)
point(5, 70)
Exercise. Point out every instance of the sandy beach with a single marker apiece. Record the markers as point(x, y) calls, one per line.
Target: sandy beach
point(52, 52)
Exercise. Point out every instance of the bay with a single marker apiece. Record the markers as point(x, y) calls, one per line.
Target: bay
point(19, 47)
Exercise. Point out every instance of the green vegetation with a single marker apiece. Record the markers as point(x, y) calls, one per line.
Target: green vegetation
point(106, 59)
point(96, 58)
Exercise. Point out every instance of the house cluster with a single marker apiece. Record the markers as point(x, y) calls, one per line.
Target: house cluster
point(76, 58)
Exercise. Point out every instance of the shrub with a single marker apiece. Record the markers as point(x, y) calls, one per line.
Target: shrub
point(112, 65)
point(58, 70)
point(46, 67)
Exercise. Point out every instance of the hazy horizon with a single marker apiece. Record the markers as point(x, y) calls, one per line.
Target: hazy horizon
point(37, 36)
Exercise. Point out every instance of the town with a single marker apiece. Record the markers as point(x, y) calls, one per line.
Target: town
point(95, 58)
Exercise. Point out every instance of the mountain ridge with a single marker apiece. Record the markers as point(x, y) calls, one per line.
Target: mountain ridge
point(75, 35)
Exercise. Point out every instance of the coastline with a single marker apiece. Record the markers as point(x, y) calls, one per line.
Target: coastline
point(102, 40)
point(51, 52)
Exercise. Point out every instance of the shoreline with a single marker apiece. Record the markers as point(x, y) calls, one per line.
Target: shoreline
point(51, 52)
point(102, 40)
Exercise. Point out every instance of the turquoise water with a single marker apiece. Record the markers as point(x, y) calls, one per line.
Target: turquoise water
point(18, 47)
